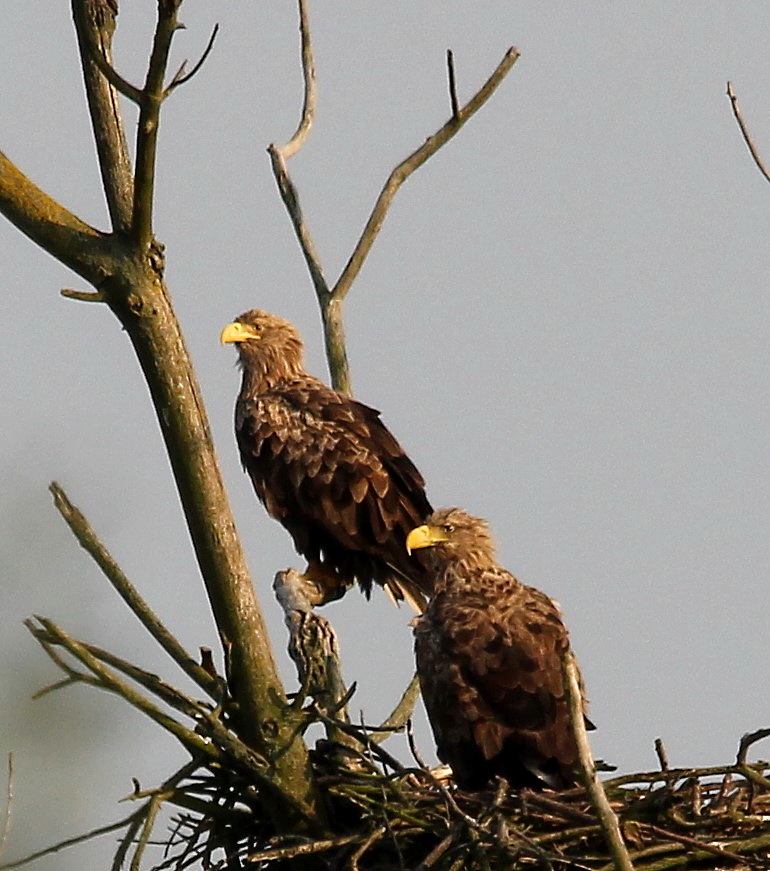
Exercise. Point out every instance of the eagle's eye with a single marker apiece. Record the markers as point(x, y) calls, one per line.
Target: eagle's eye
point(448, 528)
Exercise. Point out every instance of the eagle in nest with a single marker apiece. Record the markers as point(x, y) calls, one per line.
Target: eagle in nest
point(489, 653)
point(326, 467)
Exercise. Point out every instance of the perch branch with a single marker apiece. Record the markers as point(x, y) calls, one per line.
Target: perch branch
point(745, 132)
point(314, 648)
point(607, 818)
point(89, 541)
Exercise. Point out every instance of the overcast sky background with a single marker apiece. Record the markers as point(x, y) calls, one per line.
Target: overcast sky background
point(565, 321)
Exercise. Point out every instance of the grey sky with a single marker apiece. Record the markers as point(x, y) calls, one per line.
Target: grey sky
point(565, 321)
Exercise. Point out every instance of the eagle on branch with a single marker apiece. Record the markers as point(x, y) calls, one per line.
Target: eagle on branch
point(326, 467)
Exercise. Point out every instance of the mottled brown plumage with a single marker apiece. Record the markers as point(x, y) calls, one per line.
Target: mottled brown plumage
point(324, 465)
point(489, 654)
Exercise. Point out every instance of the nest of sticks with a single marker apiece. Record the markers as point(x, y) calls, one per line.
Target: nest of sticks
point(390, 816)
point(384, 813)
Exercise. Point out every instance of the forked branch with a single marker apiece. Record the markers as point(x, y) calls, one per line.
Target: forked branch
point(330, 299)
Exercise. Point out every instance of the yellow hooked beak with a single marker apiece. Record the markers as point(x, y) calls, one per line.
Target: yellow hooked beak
point(237, 332)
point(424, 536)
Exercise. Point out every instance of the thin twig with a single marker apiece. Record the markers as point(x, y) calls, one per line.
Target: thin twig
point(745, 132)
point(374, 835)
point(84, 295)
point(90, 542)
point(69, 842)
point(193, 742)
point(181, 77)
point(607, 818)
point(310, 91)
point(412, 163)
point(453, 101)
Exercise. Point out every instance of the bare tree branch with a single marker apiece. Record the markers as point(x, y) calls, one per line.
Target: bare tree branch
point(412, 163)
point(127, 272)
point(95, 26)
point(745, 132)
point(88, 539)
point(308, 71)
point(149, 120)
point(330, 300)
point(181, 77)
point(47, 223)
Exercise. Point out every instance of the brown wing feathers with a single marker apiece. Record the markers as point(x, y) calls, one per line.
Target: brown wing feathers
point(488, 652)
point(325, 465)
point(488, 648)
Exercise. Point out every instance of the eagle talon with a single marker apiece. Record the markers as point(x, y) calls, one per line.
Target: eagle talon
point(323, 585)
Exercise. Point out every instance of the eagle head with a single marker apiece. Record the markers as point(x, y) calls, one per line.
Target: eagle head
point(454, 534)
point(268, 345)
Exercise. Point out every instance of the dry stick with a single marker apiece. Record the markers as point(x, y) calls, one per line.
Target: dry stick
point(741, 763)
point(310, 92)
point(191, 741)
point(607, 818)
point(745, 132)
point(89, 541)
point(70, 842)
point(304, 849)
